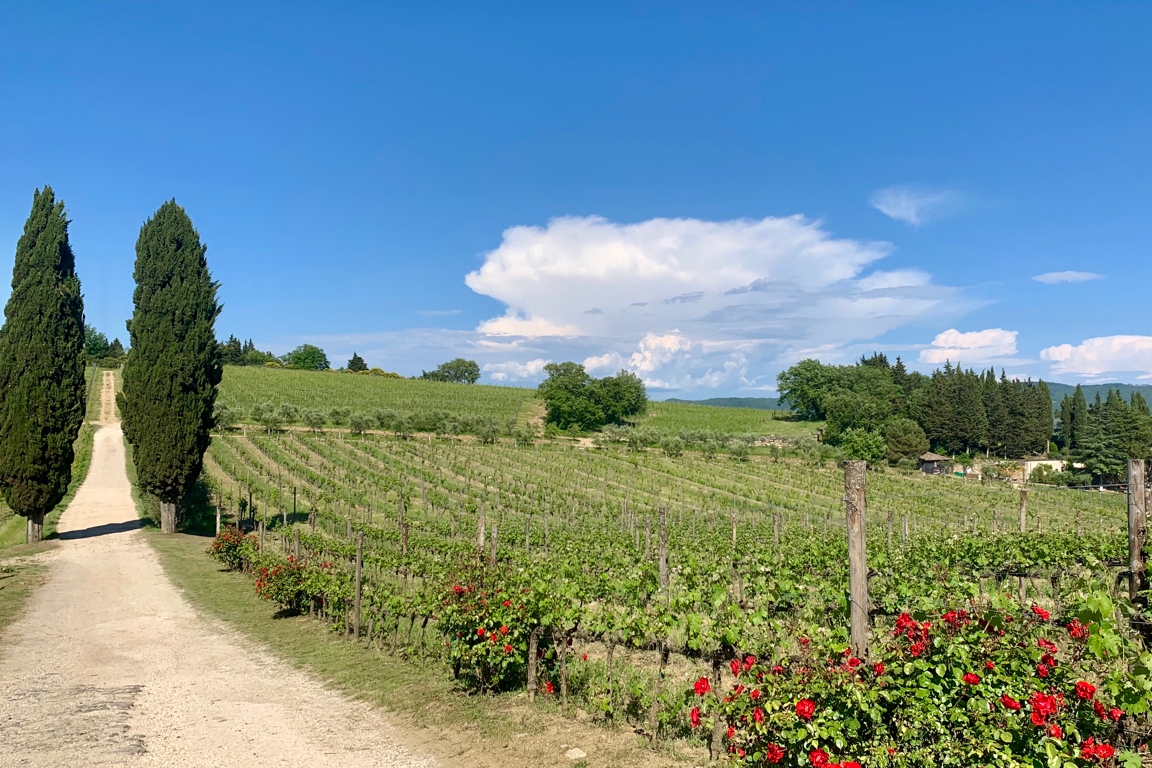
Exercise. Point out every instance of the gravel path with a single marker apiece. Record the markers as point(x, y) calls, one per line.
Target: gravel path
point(111, 666)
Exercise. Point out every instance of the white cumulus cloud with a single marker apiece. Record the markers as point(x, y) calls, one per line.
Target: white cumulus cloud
point(971, 347)
point(514, 371)
point(1103, 355)
point(914, 205)
point(1067, 276)
point(690, 303)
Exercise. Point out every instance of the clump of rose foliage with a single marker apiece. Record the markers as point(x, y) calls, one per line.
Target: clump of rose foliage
point(999, 685)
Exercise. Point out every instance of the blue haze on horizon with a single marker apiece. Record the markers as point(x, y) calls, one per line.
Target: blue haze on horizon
point(702, 193)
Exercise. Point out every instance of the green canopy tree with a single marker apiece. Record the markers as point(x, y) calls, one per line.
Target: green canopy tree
point(458, 371)
point(307, 356)
point(171, 376)
point(41, 367)
point(96, 344)
point(357, 364)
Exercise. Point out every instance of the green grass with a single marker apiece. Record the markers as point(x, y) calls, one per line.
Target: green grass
point(677, 417)
point(17, 583)
point(245, 386)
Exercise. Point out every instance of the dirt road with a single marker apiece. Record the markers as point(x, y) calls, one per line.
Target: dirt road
point(110, 665)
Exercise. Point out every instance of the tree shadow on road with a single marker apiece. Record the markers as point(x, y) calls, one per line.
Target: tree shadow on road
point(102, 530)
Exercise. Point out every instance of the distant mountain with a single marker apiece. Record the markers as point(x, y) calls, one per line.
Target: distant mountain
point(1090, 390)
point(757, 403)
point(1058, 392)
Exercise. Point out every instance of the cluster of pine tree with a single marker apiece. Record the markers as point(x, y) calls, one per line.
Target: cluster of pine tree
point(1102, 436)
point(235, 352)
point(957, 410)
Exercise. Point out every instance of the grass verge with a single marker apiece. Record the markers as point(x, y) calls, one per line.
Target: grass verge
point(17, 583)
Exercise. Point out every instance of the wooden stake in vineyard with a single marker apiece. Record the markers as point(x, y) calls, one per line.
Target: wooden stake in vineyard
point(855, 479)
point(1023, 529)
point(1137, 520)
point(358, 584)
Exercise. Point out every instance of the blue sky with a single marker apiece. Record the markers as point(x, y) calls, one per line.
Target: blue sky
point(702, 193)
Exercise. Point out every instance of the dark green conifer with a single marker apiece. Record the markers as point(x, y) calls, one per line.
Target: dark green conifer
point(172, 371)
point(41, 367)
point(357, 364)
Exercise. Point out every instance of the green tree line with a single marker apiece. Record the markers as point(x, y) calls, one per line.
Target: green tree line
point(875, 405)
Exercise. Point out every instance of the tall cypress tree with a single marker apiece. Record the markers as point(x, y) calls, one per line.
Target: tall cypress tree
point(41, 367)
point(172, 371)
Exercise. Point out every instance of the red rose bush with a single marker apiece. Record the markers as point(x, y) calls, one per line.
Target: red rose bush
point(996, 687)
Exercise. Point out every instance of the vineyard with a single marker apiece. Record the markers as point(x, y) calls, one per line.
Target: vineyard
point(683, 417)
point(245, 387)
point(616, 578)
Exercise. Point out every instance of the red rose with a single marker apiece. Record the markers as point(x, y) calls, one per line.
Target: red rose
point(702, 686)
point(503, 630)
point(971, 679)
point(1115, 714)
point(584, 657)
point(480, 632)
point(731, 733)
point(878, 668)
point(758, 715)
point(734, 665)
point(1042, 670)
point(1043, 614)
point(773, 753)
point(694, 716)
point(548, 687)
point(818, 758)
point(749, 662)
point(805, 708)
point(1010, 703)
point(989, 665)
point(1055, 731)
point(850, 764)
point(507, 649)
point(1085, 691)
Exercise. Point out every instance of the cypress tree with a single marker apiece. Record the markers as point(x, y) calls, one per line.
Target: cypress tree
point(1079, 422)
point(41, 367)
point(174, 366)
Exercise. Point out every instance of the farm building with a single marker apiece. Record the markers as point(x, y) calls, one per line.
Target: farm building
point(934, 464)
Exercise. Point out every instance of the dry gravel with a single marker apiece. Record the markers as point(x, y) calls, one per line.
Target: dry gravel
point(111, 666)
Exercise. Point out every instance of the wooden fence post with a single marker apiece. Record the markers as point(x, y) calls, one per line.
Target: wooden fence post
point(664, 551)
point(1022, 585)
point(855, 479)
point(1137, 517)
point(359, 572)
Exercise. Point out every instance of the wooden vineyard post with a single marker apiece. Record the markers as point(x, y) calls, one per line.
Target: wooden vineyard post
point(349, 521)
point(495, 534)
point(280, 501)
point(903, 529)
point(528, 534)
point(297, 547)
point(533, 646)
point(664, 551)
point(654, 712)
point(261, 535)
point(855, 479)
point(1137, 518)
point(293, 503)
point(733, 531)
point(480, 533)
point(359, 591)
point(1022, 586)
point(218, 501)
point(889, 528)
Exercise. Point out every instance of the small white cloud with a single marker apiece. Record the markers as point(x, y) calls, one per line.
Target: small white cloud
point(656, 350)
point(1068, 276)
point(914, 205)
point(972, 347)
point(514, 371)
point(512, 324)
point(1103, 355)
point(610, 360)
